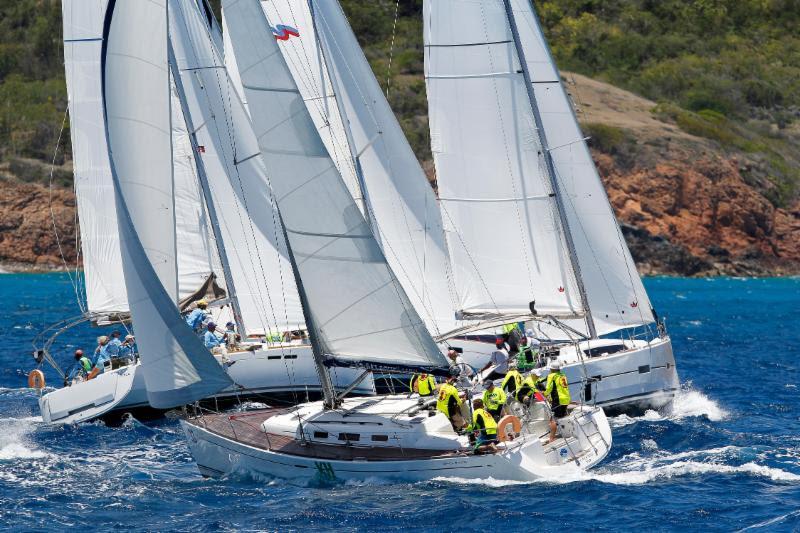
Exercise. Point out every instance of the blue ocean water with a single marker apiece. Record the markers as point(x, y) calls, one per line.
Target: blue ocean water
point(725, 457)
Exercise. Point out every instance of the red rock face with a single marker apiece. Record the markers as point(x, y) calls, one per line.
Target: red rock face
point(701, 202)
point(27, 237)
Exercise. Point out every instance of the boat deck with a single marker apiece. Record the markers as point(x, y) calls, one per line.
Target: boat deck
point(246, 428)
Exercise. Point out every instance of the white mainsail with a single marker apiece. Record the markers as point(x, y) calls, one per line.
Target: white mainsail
point(506, 244)
point(83, 42)
point(405, 213)
point(617, 298)
point(178, 369)
point(248, 223)
point(359, 313)
point(102, 263)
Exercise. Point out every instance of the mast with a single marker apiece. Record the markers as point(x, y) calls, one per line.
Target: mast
point(362, 184)
point(551, 172)
point(203, 179)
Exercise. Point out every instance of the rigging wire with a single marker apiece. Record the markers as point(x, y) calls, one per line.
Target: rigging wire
point(391, 49)
point(73, 280)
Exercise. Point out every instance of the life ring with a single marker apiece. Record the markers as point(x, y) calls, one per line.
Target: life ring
point(36, 379)
point(502, 428)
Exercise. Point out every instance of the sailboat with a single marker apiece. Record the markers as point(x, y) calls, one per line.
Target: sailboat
point(530, 231)
point(364, 319)
point(214, 229)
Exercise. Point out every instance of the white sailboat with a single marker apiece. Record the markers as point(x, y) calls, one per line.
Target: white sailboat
point(364, 319)
point(531, 234)
point(246, 237)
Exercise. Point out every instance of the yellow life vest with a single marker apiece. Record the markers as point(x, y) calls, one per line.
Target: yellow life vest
point(447, 391)
point(495, 399)
point(488, 424)
point(425, 386)
point(558, 381)
point(530, 382)
point(508, 328)
point(512, 382)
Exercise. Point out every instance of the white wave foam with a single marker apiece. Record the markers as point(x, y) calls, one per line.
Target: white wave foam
point(684, 468)
point(486, 482)
point(687, 403)
point(14, 442)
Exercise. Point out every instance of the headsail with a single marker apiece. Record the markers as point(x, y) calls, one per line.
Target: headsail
point(178, 369)
point(83, 42)
point(615, 292)
point(361, 315)
point(248, 224)
point(401, 202)
point(506, 244)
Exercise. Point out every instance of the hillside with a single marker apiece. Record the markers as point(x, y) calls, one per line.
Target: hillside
point(692, 109)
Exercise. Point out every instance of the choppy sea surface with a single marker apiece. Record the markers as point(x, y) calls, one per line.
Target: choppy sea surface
point(725, 457)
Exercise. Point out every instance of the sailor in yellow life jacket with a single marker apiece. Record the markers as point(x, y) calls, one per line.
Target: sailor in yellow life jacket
point(423, 384)
point(449, 402)
point(557, 390)
point(494, 399)
point(512, 382)
point(530, 385)
point(484, 426)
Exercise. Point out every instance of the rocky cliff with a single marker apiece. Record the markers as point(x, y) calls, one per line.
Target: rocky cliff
point(687, 206)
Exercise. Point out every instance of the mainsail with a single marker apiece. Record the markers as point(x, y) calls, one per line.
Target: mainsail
point(509, 242)
point(102, 262)
point(358, 313)
point(255, 252)
point(178, 369)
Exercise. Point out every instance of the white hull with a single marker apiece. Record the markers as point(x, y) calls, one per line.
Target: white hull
point(643, 376)
point(276, 374)
point(526, 458)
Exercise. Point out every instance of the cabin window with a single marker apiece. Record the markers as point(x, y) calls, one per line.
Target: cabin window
point(270, 357)
point(604, 350)
point(353, 437)
point(320, 434)
point(644, 369)
point(380, 438)
point(290, 356)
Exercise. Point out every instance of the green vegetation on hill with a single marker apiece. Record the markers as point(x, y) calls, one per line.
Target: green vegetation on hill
point(727, 70)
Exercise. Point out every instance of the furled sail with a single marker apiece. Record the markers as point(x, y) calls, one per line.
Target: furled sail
point(178, 369)
point(358, 312)
point(506, 244)
point(102, 265)
point(617, 298)
point(406, 217)
point(248, 223)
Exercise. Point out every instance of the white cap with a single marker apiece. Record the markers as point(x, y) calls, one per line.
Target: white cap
point(555, 365)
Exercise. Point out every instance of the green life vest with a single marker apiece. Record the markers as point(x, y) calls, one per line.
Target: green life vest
point(86, 364)
point(446, 392)
point(557, 382)
point(484, 421)
point(495, 399)
point(425, 387)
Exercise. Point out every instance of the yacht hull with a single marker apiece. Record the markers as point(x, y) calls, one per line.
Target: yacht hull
point(230, 444)
point(283, 376)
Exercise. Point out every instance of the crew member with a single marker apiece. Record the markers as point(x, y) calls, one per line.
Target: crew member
point(128, 348)
point(211, 340)
point(423, 384)
point(484, 426)
point(530, 385)
point(232, 338)
point(101, 357)
point(511, 336)
point(464, 370)
point(498, 360)
point(84, 362)
point(528, 353)
point(512, 382)
point(197, 316)
point(493, 398)
point(449, 403)
point(557, 390)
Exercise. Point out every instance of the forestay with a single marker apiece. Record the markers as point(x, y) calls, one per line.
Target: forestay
point(248, 223)
point(360, 313)
point(136, 91)
point(506, 244)
point(102, 265)
point(615, 292)
point(403, 207)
